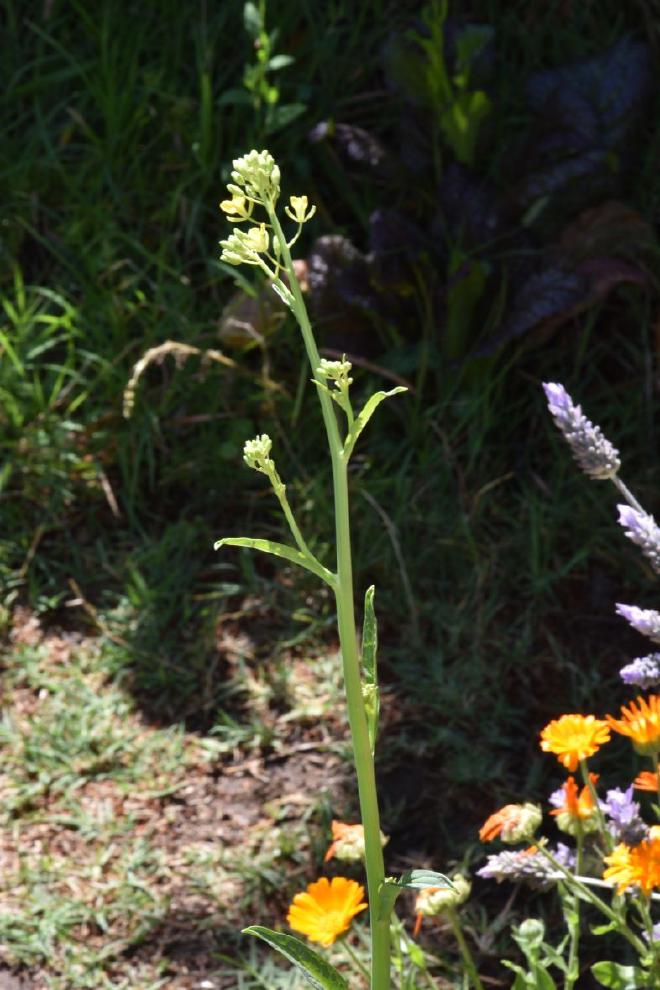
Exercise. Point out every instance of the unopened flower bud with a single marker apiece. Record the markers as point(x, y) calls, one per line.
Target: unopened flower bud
point(433, 901)
point(258, 175)
point(348, 842)
point(593, 452)
point(513, 823)
point(256, 453)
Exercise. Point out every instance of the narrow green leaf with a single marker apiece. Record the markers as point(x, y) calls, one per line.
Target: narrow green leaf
point(279, 550)
point(370, 690)
point(365, 415)
point(618, 977)
point(314, 968)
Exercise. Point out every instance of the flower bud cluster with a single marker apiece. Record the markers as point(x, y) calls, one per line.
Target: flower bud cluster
point(257, 176)
point(592, 451)
point(256, 454)
point(243, 247)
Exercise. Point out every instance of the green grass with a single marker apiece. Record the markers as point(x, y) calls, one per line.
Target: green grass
point(496, 563)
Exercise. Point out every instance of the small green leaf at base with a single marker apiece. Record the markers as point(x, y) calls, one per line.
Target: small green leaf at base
point(611, 974)
point(314, 968)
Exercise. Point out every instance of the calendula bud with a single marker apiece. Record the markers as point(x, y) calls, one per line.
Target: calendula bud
point(513, 823)
point(348, 842)
point(433, 901)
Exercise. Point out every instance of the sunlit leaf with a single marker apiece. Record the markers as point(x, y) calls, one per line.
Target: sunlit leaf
point(316, 970)
point(279, 550)
point(365, 415)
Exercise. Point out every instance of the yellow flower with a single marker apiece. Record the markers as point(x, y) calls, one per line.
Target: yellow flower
point(236, 208)
point(641, 722)
point(513, 823)
point(636, 867)
point(297, 209)
point(573, 738)
point(326, 909)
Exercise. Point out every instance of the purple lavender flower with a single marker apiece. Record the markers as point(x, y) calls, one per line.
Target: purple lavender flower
point(655, 933)
point(643, 530)
point(558, 798)
point(623, 816)
point(644, 620)
point(593, 452)
point(644, 672)
point(527, 867)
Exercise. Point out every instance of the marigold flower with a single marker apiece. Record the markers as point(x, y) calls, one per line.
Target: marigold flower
point(641, 722)
point(646, 781)
point(513, 823)
point(573, 738)
point(432, 901)
point(575, 810)
point(638, 867)
point(325, 910)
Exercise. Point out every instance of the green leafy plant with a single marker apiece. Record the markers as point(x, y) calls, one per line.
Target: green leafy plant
point(262, 243)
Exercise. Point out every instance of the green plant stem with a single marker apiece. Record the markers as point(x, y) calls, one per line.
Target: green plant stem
point(573, 970)
point(604, 908)
point(468, 961)
point(354, 958)
point(364, 763)
point(627, 494)
point(602, 825)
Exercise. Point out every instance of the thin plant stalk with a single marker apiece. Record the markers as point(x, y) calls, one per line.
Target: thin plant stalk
point(464, 949)
point(573, 970)
point(344, 595)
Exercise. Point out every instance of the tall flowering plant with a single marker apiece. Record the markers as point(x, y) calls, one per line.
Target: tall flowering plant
point(613, 860)
point(324, 912)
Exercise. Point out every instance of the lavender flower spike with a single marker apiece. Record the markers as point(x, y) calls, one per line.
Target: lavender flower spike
point(644, 672)
point(644, 620)
point(623, 816)
point(643, 530)
point(593, 452)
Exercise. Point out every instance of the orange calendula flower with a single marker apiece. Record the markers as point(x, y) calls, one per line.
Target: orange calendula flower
point(641, 722)
point(326, 909)
point(573, 738)
point(578, 810)
point(646, 781)
point(513, 823)
point(636, 867)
